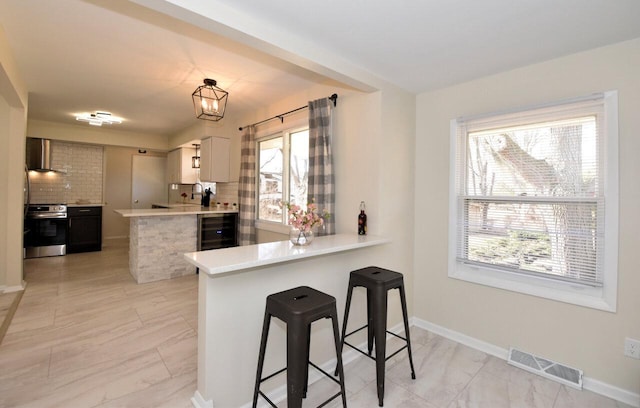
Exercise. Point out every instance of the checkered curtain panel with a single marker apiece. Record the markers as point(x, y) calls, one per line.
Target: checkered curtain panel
point(321, 179)
point(247, 188)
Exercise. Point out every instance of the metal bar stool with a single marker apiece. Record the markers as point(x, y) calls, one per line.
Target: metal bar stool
point(378, 282)
point(298, 308)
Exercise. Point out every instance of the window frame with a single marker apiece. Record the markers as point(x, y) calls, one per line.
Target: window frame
point(598, 297)
point(281, 227)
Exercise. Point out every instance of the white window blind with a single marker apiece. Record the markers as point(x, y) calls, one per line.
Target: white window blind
point(530, 192)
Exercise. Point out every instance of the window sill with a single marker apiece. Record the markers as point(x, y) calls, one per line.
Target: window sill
point(592, 297)
point(272, 227)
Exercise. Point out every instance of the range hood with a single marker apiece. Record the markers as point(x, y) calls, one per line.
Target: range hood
point(39, 155)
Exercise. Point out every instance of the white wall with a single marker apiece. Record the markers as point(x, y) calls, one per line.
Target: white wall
point(83, 133)
point(13, 123)
point(581, 337)
point(373, 161)
point(4, 179)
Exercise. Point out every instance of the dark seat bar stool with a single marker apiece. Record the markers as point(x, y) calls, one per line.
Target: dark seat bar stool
point(378, 282)
point(298, 308)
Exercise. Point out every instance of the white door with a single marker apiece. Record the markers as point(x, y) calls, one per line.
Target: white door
point(149, 181)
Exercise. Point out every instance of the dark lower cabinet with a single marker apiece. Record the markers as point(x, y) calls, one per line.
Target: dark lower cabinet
point(85, 229)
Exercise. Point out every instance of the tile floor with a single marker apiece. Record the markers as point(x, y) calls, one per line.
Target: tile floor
point(8, 304)
point(86, 335)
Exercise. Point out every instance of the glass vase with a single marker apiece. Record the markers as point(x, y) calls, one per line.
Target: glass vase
point(300, 237)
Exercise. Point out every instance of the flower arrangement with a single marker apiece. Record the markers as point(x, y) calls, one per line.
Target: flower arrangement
point(305, 219)
point(184, 197)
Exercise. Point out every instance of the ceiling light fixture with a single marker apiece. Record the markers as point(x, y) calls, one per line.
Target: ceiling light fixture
point(98, 118)
point(209, 101)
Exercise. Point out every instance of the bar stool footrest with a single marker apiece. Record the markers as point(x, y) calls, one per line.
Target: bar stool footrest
point(267, 399)
point(371, 357)
point(325, 373)
point(314, 366)
point(272, 375)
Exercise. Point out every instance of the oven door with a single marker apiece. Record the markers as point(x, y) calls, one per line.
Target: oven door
point(45, 237)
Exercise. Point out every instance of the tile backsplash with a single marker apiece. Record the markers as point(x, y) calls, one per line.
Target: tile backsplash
point(83, 178)
point(227, 193)
point(223, 193)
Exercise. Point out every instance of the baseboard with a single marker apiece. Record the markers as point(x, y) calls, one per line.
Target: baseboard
point(611, 391)
point(16, 288)
point(593, 385)
point(469, 341)
point(198, 401)
point(6, 322)
point(116, 237)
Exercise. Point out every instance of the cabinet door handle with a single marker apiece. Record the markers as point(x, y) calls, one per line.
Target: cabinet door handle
point(84, 210)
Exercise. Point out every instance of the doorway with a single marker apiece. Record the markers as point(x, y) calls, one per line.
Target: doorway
point(148, 181)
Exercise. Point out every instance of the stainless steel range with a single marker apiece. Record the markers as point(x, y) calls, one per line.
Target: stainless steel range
point(45, 230)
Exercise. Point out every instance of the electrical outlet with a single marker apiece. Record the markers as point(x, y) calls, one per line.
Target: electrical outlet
point(632, 348)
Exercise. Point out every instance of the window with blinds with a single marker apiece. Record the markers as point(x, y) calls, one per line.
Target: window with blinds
point(530, 193)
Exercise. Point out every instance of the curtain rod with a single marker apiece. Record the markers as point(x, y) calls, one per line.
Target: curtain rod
point(281, 116)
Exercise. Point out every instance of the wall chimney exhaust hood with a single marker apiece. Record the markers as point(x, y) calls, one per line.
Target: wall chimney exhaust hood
point(39, 155)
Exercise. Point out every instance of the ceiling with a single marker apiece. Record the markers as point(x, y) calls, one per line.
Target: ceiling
point(134, 60)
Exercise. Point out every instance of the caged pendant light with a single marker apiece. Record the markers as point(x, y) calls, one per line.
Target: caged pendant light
point(195, 160)
point(210, 101)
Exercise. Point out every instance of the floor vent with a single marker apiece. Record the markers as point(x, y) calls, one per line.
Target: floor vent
point(546, 368)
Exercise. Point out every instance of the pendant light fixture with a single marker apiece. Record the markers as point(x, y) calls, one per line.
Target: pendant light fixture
point(195, 160)
point(209, 101)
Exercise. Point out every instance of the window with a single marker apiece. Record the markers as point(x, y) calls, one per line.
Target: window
point(534, 201)
point(283, 173)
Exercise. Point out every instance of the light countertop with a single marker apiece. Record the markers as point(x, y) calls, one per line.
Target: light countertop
point(225, 260)
point(85, 205)
point(159, 212)
point(177, 205)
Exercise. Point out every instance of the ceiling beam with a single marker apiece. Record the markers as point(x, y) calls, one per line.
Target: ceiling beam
point(221, 19)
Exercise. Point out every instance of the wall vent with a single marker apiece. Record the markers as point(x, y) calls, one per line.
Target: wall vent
point(546, 368)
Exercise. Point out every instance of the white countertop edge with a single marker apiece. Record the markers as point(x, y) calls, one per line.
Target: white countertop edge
point(159, 212)
point(85, 205)
point(222, 261)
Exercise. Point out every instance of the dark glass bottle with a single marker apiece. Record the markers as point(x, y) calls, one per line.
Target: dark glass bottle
point(362, 220)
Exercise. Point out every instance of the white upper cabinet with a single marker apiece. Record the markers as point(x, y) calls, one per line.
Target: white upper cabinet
point(214, 159)
point(179, 170)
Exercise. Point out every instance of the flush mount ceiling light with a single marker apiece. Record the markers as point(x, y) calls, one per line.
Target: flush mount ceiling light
point(209, 101)
point(98, 118)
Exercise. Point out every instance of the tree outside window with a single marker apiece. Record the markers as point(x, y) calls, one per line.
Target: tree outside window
point(283, 173)
point(534, 201)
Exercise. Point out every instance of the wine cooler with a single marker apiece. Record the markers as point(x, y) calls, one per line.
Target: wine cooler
point(217, 230)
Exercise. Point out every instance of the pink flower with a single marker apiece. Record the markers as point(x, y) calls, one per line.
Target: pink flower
point(305, 219)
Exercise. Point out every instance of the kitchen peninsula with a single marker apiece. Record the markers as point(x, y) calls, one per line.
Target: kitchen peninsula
point(233, 286)
point(159, 237)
